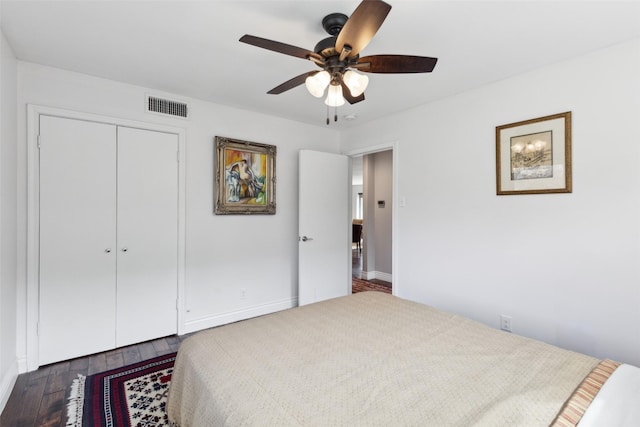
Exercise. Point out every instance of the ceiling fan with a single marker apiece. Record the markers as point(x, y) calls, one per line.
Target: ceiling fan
point(338, 56)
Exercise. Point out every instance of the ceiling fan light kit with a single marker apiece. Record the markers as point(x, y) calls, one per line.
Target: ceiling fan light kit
point(317, 83)
point(357, 83)
point(338, 56)
point(334, 96)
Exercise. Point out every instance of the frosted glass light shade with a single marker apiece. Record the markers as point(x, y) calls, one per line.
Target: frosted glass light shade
point(317, 83)
point(334, 96)
point(357, 83)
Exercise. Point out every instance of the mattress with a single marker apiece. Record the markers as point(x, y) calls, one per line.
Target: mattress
point(370, 359)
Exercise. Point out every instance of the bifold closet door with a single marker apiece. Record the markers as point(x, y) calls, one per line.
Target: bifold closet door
point(147, 274)
point(77, 182)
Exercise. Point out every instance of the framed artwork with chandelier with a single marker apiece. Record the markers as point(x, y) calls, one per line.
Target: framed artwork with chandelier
point(245, 177)
point(534, 156)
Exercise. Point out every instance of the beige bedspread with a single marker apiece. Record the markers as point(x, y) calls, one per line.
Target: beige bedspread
point(369, 359)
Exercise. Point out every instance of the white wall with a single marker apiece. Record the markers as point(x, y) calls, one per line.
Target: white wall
point(564, 266)
point(223, 253)
point(8, 219)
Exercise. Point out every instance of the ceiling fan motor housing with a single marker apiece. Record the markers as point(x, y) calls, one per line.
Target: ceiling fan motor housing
point(334, 22)
point(326, 47)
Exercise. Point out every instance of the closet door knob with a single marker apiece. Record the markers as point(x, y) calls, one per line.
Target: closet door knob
point(124, 249)
point(108, 250)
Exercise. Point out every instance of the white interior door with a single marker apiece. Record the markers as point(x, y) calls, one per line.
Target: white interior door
point(324, 227)
point(77, 238)
point(147, 278)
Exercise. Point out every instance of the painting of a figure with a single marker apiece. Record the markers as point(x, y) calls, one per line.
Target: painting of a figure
point(244, 175)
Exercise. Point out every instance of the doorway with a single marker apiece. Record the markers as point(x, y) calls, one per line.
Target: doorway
point(372, 212)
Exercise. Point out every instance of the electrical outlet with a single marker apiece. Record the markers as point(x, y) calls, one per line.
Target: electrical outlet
point(243, 293)
point(505, 323)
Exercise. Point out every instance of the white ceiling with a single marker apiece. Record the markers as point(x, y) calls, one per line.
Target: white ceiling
point(191, 48)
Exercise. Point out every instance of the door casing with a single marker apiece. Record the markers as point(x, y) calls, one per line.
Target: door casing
point(393, 146)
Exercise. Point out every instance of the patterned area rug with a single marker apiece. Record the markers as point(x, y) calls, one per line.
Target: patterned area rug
point(131, 396)
point(136, 395)
point(360, 285)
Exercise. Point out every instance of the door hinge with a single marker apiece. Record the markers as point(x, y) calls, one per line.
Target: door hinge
point(39, 142)
point(177, 305)
point(178, 156)
point(38, 329)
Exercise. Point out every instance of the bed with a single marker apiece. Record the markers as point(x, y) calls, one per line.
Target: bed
point(372, 359)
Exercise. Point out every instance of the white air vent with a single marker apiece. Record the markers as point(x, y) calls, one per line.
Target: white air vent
point(167, 106)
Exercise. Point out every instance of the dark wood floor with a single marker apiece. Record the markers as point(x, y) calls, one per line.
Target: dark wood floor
point(39, 398)
point(356, 268)
point(356, 263)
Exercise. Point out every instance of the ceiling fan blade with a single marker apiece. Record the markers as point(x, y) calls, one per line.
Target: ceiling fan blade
point(396, 64)
point(290, 84)
point(275, 46)
point(346, 94)
point(362, 26)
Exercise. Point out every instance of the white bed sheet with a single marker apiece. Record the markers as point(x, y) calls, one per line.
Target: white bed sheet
point(617, 404)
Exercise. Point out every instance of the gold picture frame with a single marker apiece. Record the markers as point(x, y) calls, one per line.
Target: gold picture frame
point(245, 177)
point(534, 156)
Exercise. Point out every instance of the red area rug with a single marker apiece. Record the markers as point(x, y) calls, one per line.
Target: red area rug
point(360, 285)
point(131, 396)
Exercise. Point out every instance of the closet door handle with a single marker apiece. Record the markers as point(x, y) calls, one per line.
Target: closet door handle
point(108, 250)
point(125, 249)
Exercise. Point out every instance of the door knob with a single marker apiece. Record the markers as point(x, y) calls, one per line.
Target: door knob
point(124, 249)
point(305, 238)
point(108, 250)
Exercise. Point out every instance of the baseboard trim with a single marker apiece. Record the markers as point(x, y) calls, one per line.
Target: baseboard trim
point(23, 366)
point(367, 275)
point(370, 275)
point(7, 383)
point(235, 316)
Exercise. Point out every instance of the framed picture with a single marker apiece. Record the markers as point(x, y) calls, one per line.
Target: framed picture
point(534, 156)
point(245, 177)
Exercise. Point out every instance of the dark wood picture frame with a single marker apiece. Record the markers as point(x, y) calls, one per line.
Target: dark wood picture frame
point(534, 156)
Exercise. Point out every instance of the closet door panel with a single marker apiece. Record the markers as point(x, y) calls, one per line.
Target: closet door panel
point(147, 235)
point(77, 182)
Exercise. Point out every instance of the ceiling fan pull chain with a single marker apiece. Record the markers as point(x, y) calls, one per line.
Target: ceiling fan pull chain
point(335, 114)
point(327, 115)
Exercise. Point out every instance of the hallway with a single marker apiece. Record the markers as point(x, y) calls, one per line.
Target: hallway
point(356, 268)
